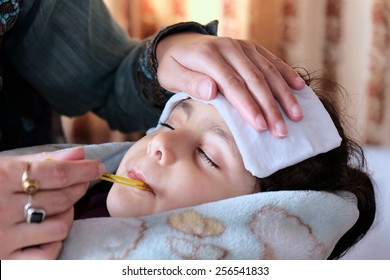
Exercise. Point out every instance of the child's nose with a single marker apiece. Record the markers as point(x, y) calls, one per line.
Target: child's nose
point(162, 148)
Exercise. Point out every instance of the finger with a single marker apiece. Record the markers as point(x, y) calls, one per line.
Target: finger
point(289, 74)
point(281, 91)
point(76, 153)
point(27, 239)
point(57, 174)
point(206, 59)
point(265, 84)
point(48, 251)
point(53, 202)
point(223, 60)
point(227, 71)
point(258, 86)
point(54, 174)
point(177, 78)
point(210, 62)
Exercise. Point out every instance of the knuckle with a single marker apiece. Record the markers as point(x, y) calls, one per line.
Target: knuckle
point(207, 50)
point(249, 46)
point(273, 112)
point(60, 173)
point(228, 42)
point(233, 81)
point(278, 61)
point(288, 97)
point(60, 230)
point(254, 77)
point(269, 68)
point(61, 201)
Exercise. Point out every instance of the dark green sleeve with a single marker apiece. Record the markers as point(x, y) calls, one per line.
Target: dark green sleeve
point(76, 56)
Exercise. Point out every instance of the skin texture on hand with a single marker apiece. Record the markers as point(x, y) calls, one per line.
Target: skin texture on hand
point(63, 180)
point(250, 77)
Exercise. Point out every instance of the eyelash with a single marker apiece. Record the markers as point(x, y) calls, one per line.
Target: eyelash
point(167, 125)
point(200, 152)
point(206, 159)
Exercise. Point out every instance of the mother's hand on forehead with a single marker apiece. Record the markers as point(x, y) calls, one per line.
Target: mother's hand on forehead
point(249, 76)
point(59, 183)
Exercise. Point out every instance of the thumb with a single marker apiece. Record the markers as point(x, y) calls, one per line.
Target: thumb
point(205, 90)
point(193, 83)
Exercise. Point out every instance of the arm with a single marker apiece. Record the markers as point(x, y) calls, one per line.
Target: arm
point(80, 60)
point(77, 57)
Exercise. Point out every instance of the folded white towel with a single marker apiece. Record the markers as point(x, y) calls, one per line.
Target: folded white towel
point(262, 153)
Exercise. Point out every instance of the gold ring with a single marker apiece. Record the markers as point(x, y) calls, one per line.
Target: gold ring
point(30, 187)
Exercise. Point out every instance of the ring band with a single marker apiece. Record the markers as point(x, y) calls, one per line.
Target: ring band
point(33, 215)
point(29, 186)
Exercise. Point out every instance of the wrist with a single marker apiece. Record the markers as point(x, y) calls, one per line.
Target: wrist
point(172, 31)
point(147, 72)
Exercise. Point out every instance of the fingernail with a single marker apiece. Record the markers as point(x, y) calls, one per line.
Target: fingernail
point(260, 123)
point(281, 129)
point(300, 81)
point(205, 88)
point(296, 110)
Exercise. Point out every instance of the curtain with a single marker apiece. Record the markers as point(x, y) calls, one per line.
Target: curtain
point(378, 85)
point(347, 41)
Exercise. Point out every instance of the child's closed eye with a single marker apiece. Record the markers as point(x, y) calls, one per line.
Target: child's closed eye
point(167, 125)
point(205, 158)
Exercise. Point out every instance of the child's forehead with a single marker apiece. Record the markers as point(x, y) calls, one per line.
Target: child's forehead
point(183, 104)
point(189, 105)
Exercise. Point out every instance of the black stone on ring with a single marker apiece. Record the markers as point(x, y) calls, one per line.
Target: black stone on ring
point(33, 215)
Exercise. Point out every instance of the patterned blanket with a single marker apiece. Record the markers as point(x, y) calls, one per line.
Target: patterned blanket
point(273, 225)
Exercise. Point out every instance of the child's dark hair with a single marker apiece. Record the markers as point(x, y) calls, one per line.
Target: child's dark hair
point(341, 169)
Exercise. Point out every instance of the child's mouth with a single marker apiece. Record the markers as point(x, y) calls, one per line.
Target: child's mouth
point(138, 177)
point(126, 181)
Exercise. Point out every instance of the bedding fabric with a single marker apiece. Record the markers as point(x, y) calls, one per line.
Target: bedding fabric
point(273, 225)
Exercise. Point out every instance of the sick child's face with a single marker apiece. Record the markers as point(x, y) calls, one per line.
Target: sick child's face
point(191, 159)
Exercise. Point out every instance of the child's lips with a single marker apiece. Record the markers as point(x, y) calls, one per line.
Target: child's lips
point(135, 176)
point(132, 174)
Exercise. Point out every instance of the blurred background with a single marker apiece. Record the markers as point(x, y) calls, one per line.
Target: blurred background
point(347, 41)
